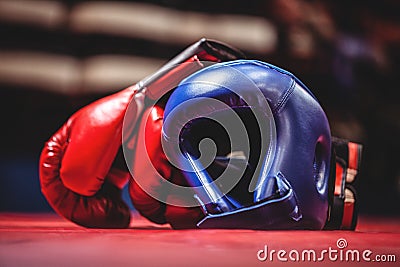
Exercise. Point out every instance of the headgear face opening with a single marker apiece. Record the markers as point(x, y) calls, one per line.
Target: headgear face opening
point(254, 144)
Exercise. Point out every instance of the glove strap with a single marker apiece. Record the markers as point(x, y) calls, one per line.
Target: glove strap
point(343, 200)
point(186, 63)
point(174, 71)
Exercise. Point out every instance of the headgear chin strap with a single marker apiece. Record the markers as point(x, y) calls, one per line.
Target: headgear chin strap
point(278, 211)
point(285, 176)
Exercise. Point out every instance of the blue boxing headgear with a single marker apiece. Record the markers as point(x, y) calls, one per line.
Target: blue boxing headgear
point(254, 144)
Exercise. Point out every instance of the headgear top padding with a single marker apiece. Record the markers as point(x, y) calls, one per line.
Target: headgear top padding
point(273, 121)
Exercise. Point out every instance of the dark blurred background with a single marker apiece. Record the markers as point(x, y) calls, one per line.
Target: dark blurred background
point(57, 56)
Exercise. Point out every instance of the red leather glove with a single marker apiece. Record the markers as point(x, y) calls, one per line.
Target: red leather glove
point(79, 175)
point(146, 176)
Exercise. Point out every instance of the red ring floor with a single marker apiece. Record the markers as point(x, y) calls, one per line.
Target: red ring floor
point(48, 240)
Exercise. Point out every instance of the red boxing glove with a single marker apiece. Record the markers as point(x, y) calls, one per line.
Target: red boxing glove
point(146, 176)
point(79, 173)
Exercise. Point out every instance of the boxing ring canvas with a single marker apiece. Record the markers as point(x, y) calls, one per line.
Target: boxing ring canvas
point(45, 239)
